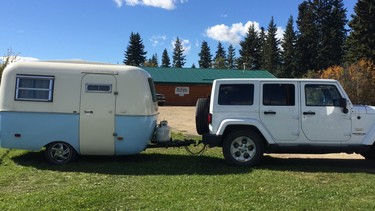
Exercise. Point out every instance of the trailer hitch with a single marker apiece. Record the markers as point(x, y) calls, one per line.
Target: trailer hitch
point(189, 144)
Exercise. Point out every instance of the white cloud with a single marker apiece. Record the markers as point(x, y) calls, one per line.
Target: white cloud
point(18, 59)
point(232, 34)
point(280, 33)
point(235, 33)
point(186, 45)
point(158, 40)
point(164, 4)
point(118, 3)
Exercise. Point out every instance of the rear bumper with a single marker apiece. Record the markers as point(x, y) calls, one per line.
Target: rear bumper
point(212, 140)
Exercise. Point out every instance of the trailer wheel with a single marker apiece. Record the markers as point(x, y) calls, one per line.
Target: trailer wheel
point(201, 115)
point(243, 148)
point(60, 153)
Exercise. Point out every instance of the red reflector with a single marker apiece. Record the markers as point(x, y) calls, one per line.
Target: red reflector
point(209, 118)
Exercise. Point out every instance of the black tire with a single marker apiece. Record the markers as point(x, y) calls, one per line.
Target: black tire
point(60, 153)
point(243, 148)
point(201, 115)
point(369, 155)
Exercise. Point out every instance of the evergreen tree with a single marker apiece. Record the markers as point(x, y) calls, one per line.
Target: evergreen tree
point(271, 49)
point(205, 56)
point(307, 42)
point(289, 53)
point(219, 59)
point(165, 60)
point(178, 54)
point(361, 40)
point(331, 23)
point(154, 60)
point(250, 50)
point(262, 43)
point(321, 24)
point(193, 66)
point(231, 57)
point(135, 54)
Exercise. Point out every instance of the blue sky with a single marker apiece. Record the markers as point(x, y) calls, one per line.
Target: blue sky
point(99, 30)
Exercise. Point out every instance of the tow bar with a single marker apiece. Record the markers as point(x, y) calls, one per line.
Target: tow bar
point(188, 144)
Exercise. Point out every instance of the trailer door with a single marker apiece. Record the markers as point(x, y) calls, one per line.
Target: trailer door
point(97, 114)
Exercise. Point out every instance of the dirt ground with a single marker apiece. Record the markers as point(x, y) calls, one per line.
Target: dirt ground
point(182, 119)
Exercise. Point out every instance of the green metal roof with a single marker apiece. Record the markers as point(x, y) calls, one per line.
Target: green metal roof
point(201, 76)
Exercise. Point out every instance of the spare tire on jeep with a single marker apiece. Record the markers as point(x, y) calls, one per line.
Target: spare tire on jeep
point(201, 115)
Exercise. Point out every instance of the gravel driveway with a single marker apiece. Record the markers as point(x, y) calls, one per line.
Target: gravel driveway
point(182, 119)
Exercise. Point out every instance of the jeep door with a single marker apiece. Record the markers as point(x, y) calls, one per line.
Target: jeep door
point(322, 117)
point(279, 109)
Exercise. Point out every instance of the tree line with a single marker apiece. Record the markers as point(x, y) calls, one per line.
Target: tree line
point(321, 41)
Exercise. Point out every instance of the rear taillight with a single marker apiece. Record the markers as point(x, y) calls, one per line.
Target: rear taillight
point(209, 118)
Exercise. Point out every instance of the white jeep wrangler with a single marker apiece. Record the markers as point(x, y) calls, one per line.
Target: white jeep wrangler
point(249, 117)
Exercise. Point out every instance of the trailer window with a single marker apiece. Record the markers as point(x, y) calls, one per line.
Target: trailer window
point(34, 88)
point(152, 89)
point(102, 88)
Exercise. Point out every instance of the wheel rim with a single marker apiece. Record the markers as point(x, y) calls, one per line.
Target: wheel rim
point(243, 149)
point(60, 152)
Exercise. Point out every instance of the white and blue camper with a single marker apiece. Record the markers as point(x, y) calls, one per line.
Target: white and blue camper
point(75, 108)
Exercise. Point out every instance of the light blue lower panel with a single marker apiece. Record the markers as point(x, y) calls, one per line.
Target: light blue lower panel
point(32, 131)
point(136, 131)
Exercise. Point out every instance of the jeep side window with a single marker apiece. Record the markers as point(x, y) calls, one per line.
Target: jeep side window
point(236, 94)
point(278, 94)
point(321, 95)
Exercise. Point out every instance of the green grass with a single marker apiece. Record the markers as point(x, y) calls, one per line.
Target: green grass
point(171, 179)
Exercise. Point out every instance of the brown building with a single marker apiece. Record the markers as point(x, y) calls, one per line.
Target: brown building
point(183, 86)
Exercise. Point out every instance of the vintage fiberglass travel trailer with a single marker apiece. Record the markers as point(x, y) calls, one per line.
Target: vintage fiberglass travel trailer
point(76, 108)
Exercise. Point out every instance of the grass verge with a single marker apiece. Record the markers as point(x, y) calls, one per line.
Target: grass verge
point(171, 179)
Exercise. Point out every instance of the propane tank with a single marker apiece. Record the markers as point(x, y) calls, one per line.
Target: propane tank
point(163, 132)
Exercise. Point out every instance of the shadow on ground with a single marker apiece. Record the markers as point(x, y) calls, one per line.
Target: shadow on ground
point(169, 164)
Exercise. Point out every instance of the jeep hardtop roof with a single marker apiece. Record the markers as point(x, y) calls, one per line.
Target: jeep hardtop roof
point(275, 80)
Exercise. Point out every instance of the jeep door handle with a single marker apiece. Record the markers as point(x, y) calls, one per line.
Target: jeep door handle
point(88, 111)
point(308, 113)
point(270, 112)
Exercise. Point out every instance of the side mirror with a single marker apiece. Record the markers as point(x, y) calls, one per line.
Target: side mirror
point(343, 103)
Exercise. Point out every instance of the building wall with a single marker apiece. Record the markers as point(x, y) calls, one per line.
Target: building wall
point(174, 99)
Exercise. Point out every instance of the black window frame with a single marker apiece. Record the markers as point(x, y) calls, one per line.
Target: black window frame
point(334, 101)
point(100, 88)
point(238, 96)
point(288, 98)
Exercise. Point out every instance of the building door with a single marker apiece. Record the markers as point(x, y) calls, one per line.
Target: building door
point(97, 114)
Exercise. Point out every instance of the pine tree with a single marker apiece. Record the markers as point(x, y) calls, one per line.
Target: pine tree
point(135, 54)
point(165, 60)
point(262, 43)
point(178, 54)
point(250, 50)
point(219, 59)
point(205, 56)
point(331, 23)
point(361, 40)
point(289, 54)
point(154, 60)
point(307, 42)
point(271, 49)
point(322, 33)
point(231, 57)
